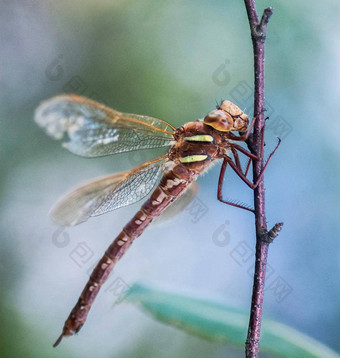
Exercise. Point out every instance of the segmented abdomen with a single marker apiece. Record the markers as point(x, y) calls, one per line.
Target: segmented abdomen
point(172, 185)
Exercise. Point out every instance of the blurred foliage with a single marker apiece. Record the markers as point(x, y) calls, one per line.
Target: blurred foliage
point(218, 322)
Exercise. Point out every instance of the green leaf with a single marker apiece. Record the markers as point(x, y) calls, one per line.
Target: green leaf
point(218, 322)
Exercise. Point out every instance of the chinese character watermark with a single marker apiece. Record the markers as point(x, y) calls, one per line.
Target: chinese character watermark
point(242, 94)
point(243, 254)
point(197, 209)
point(119, 289)
point(81, 254)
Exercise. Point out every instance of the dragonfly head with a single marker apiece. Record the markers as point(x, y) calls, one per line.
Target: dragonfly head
point(227, 117)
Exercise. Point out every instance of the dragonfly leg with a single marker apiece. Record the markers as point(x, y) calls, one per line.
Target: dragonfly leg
point(242, 175)
point(247, 168)
point(249, 154)
point(246, 152)
point(220, 190)
point(236, 157)
point(237, 161)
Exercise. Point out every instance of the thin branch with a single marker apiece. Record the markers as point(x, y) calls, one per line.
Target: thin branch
point(272, 233)
point(262, 28)
point(258, 31)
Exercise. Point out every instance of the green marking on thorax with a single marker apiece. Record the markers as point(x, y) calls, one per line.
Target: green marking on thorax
point(200, 138)
point(193, 158)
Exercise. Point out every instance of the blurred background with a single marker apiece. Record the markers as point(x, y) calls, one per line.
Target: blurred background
point(172, 60)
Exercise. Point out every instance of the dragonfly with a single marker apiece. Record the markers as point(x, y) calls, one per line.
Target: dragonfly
point(91, 129)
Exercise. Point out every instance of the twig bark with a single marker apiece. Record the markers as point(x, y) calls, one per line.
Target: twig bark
point(263, 237)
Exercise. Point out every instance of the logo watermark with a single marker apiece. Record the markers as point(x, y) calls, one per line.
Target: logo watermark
point(83, 256)
point(242, 94)
point(243, 255)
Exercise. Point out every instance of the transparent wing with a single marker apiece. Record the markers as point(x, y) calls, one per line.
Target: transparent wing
point(107, 194)
point(95, 130)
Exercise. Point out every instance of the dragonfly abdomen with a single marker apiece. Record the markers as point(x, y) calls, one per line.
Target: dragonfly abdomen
point(172, 185)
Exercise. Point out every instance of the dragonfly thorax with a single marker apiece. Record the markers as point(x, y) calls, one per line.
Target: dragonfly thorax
point(197, 145)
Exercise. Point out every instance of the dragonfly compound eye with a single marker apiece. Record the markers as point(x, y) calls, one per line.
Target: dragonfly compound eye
point(219, 120)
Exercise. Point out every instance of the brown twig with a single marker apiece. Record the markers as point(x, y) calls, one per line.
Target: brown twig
point(263, 237)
